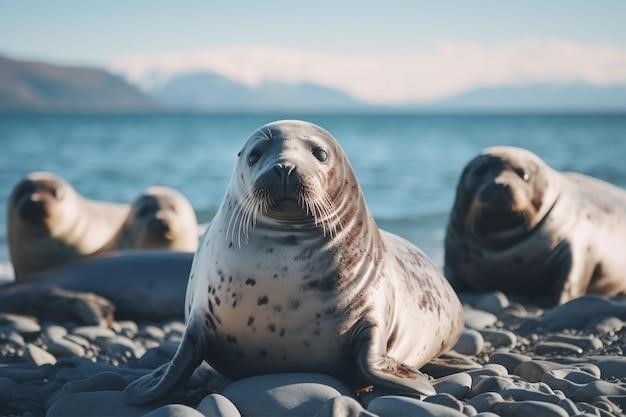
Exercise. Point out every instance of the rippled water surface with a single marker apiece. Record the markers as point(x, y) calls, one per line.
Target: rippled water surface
point(408, 165)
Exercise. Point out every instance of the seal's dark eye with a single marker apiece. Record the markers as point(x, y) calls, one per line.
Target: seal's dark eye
point(238, 153)
point(523, 174)
point(57, 193)
point(253, 157)
point(320, 154)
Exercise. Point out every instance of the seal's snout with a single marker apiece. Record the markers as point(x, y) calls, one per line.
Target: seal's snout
point(284, 170)
point(159, 224)
point(33, 210)
point(496, 193)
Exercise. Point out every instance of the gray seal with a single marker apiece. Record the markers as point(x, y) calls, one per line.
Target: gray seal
point(521, 227)
point(49, 225)
point(293, 274)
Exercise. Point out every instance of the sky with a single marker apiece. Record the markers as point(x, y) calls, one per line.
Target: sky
point(379, 51)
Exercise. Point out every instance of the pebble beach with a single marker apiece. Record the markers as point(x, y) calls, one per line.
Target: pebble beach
point(517, 360)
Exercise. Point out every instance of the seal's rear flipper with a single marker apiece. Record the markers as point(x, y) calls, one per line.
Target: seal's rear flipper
point(384, 371)
point(168, 376)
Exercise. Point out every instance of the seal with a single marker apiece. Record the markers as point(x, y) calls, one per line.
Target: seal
point(49, 224)
point(88, 291)
point(521, 227)
point(160, 218)
point(293, 274)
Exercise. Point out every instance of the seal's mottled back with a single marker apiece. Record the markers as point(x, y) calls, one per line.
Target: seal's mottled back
point(523, 228)
point(294, 275)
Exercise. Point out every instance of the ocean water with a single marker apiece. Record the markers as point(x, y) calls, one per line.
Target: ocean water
point(408, 165)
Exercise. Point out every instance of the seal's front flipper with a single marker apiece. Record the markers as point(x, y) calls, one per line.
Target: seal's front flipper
point(168, 376)
point(384, 371)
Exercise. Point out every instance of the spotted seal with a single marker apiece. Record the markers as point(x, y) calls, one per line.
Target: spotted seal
point(160, 218)
point(49, 224)
point(294, 275)
point(521, 227)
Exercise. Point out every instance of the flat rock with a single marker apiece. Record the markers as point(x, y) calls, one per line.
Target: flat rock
point(21, 324)
point(491, 302)
point(534, 370)
point(155, 357)
point(580, 312)
point(53, 331)
point(509, 360)
point(524, 394)
point(445, 399)
point(343, 406)
point(93, 333)
point(216, 405)
point(121, 346)
point(38, 356)
point(499, 338)
point(483, 384)
point(457, 385)
point(483, 402)
point(470, 343)
point(574, 375)
point(478, 319)
point(469, 411)
point(95, 404)
point(292, 394)
point(560, 348)
point(152, 332)
point(104, 381)
point(607, 325)
point(612, 366)
point(590, 392)
point(584, 342)
point(62, 347)
point(394, 406)
point(528, 408)
point(174, 410)
point(491, 369)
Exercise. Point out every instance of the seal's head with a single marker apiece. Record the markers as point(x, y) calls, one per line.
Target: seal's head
point(502, 195)
point(291, 171)
point(43, 203)
point(162, 218)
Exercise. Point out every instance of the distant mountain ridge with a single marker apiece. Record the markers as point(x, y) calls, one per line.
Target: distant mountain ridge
point(207, 91)
point(29, 86)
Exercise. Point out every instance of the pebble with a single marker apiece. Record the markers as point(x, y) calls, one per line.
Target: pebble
point(52, 331)
point(64, 347)
point(612, 366)
point(534, 370)
point(128, 326)
point(574, 375)
point(104, 381)
point(528, 408)
point(120, 346)
point(523, 394)
point(292, 394)
point(569, 406)
point(478, 319)
point(491, 302)
point(445, 399)
point(81, 341)
point(95, 404)
point(590, 392)
point(607, 325)
point(491, 369)
point(155, 357)
point(487, 414)
point(342, 406)
point(394, 406)
point(583, 342)
point(470, 411)
point(579, 312)
point(509, 360)
point(216, 405)
point(38, 356)
point(10, 335)
point(483, 384)
point(21, 324)
point(151, 332)
point(93, 333)
point(457, 385)
point(174, 410)
point(545, 348)
point(470, 343)
point(499, 338)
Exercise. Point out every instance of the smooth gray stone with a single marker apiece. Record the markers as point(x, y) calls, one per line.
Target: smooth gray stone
point(604, 404)
point(499, 338)
point(487, 414)
point(534, 370)
point(104, 381)
point(469, 411)
point(470, 343)
point(612, 366)
point(53, 331)
point(483, 402)
point(216, 405)
point(21, 324)
point(574, 375)
point(491, 369)
point(546, 348)
point(523, 394)
point(484, 384)
point(151, 332)
point(93, 333)
point(568, 387)
point(587, 408)
point(62, 347)
point(583, 342)
point(446, 400)
point(38, 356)
point(457, 385)
point(394, 406)
point(95, 404)
point(569, 406)
point(478, 319)
point(579, 312)
point(618, 400)
point(120, 346)
point(174, 410)
point(128, 326)
point(293, 394)
point(342, 406)
point(509, 360)
point(590, 392)
point(491, 302)
point(155, 357)
point(10, 335)
point(528, 408)
point(174, 326)
point(450, 363)
point(79, 340)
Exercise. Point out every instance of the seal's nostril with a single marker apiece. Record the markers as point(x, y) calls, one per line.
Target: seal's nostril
point(280, 170)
